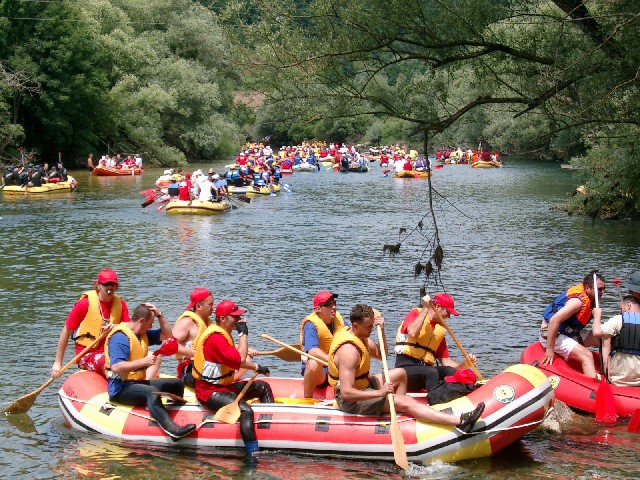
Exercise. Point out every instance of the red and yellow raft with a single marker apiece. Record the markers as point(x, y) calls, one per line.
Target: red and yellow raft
point(102, 171)
point(516, 402)
point(576, 389)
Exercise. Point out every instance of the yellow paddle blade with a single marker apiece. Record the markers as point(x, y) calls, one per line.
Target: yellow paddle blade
point(228, 414)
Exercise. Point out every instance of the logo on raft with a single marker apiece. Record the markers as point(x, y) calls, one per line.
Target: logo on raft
point(554, 380)
point(504, 393)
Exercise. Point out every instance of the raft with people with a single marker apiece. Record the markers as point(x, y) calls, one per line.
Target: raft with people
point(516, 403)
point(576, 389)
point(103, 171)
point(197, 207)
point(51, 186)
point(490, 164)
point(412, 174)
point(251, 190)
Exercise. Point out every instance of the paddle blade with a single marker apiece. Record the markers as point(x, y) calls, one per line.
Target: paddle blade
point(399, 451)
point(244, 198)
point(289, 355)
point(634, 423)
point(605, 403)
point(22, 404)
point(228, 414)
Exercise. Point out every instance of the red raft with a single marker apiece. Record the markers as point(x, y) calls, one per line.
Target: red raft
point(577, 390)
point(116, 172)
point(516, 402)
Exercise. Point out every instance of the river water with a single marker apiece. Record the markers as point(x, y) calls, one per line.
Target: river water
point(507, 252)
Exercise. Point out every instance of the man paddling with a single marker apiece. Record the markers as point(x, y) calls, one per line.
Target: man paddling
point(316, 333)
point(96, 311)
point(127, 357)
point(420, 341)
point(216, 361)
point(562, 329)
point(357, 391)
point(189, 327)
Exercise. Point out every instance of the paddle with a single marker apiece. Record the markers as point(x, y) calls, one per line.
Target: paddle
point(397, 441)
point(231, 413)
point(23, 404)
point(455, 339)
point(285, 353)
point(616, 282)
point(605, 402)
point(298, 351)
point(634, 423)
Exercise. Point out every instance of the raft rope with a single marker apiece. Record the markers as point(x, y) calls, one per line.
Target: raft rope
point(109, 406)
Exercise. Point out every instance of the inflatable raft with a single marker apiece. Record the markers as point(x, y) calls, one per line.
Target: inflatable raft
point(251, 191)
point(412, 174)
point(481, 164)
point(577, 390)
point(52, 187)
point(516, 402)
point(116, 172)
point(196, 207)
point(304, 167)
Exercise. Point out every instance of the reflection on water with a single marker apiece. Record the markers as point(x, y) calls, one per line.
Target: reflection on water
point(507, 254)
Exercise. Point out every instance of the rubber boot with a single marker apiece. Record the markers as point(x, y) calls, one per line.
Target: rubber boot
point(176, 432)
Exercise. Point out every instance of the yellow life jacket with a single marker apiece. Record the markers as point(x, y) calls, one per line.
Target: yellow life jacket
point(137, 349)
point(202, 326)
point(324, 334)
point(362, 372)
point(424, 346)
point(90, 326)
point(211, 372)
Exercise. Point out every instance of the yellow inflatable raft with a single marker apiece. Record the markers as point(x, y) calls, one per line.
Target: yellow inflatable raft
point(412, 174)
point(57, 187)
point(196, 207)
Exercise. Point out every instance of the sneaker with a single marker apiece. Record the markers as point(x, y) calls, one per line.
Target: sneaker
point(469, 419)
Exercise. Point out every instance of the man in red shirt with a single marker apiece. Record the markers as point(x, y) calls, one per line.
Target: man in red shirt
point(96, 311)
point(184, 189)
point(216, 362)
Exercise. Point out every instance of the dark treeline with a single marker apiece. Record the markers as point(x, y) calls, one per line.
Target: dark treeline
point(182, 79)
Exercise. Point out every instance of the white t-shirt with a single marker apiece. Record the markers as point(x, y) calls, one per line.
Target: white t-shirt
point(205, 190)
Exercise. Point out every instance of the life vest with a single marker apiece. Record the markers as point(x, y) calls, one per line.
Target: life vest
point(91, 325)
point(235, 174)
point(276, 172)
point(324, 334)
point(206, 370)
point(424, 346)
point(202, 325)
point(362, 372)
point(572, 326)
point(137, 349)
point(628, 340)
point(257, 179)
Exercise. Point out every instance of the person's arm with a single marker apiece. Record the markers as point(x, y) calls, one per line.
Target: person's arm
point(375, 349)
point(573, 306)
point(311, 342)
point(119, 350)
point(348, 358)
point(596, 329)
point(181, 331)
point(63, 339)
point(165, 328)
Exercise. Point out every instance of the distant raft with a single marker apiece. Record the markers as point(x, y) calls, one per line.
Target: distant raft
point(412, 174)
point(102, 171)
point(52, 187)
point(196, 207)
point(251, 191)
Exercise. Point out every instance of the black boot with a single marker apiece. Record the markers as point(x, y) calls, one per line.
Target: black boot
point(176, 432)
point(469, 419)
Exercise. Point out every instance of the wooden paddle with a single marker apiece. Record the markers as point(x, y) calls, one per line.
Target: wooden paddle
point(397, 441)
point(605, 402)
point(297, 350)
point(455, 339)
point(285, 353)
point(23, 404)
point(231, 413)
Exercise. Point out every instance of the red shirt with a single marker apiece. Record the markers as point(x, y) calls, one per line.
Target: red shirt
point(216, 349)
point(184, 189)
point(79, 311)
point(443, 351)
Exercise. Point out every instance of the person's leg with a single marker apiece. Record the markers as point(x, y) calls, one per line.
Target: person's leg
point(314, 376)
point(585, 357)
point(218, 400)
point(436, 374)
point(465, 422)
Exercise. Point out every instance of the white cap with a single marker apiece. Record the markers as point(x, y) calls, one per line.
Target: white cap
point(167, 172)
point(216, 176)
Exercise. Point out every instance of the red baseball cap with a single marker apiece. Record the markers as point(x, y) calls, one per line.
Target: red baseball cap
point(198, 295)
point(465, 376)
point(107, 276)
point(227, 307)
point(323, 297)
point(187, 175)
point(445, 301)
